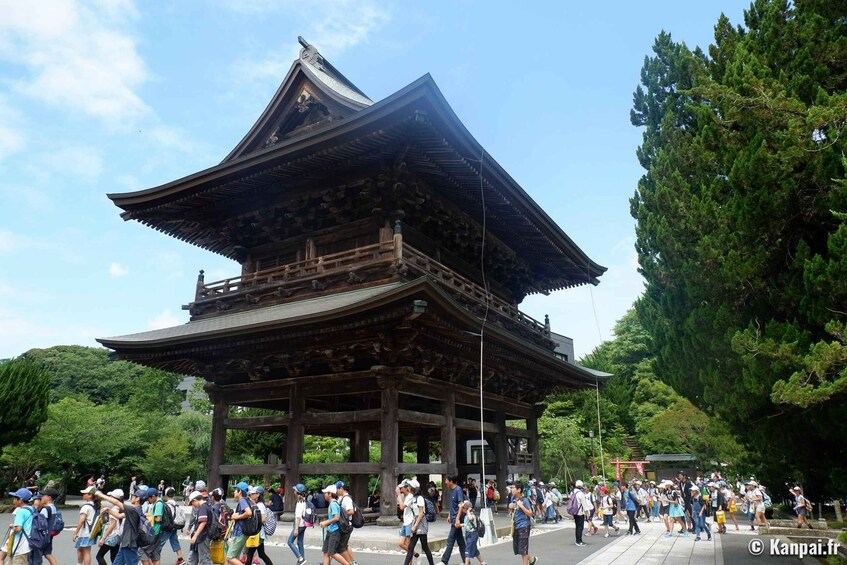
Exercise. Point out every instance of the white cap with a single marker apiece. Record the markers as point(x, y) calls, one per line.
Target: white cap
point(195, 495)
point(117, 493)
point(330, 489)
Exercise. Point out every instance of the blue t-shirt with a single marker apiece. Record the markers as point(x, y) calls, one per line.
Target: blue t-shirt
point(242, 507)
point(631, 500)
point(456, 498)
point(521, 519)
point(334, 510)
point(23, 518)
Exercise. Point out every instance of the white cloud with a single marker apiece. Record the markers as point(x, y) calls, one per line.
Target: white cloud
point(340, 25)
point(79, 54)
point(12, 138)
point(163, 320)
point(117, 270)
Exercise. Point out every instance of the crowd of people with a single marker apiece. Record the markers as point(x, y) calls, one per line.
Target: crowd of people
point(118, 530)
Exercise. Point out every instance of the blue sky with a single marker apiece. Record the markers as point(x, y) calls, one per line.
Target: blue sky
point(100, 96)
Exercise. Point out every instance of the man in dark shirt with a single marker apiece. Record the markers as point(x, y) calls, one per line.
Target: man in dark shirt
point(199, 550)
point(276, 501)
point(685, 485)
point(457, 496)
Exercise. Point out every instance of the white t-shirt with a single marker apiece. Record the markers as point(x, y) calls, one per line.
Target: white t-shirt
point(299, 512)
point(261, 507)
point(346, 503)
point(90, 513)
point(608, 505)
point(408, 515)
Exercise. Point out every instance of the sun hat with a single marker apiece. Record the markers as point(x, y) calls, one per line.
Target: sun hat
point(89, 490)
point(117, 493)
point(243, 487)
point(330, 489)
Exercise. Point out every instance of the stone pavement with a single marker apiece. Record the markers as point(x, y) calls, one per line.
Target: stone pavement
point(653, 548)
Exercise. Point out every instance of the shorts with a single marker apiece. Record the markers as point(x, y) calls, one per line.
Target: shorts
point(801, 511)
point(608, 519)
point(760, 509)
point(151, 552)
point(406, 531)
point(663, 510)
point(48, 549)
point(471, 541)
point(344, 542)
point(331, 542)
point(235, 546)
point(520, 541)
point(85, 542)
point(22, 559)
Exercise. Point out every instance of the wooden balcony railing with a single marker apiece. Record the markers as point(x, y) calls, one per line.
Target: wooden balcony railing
point(383, 256)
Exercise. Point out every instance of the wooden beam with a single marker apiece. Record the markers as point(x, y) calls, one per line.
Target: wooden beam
point(422, 418)
point(448, 431)
point(426, 387)
point(253, 470)
point(388, 453)
point(370, 415)
point(473, 425)
point(258, 423)
point(316, 385)
point(342, 468)
point(293, 444)
point(517, 432)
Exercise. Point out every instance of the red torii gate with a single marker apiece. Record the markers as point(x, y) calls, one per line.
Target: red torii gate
point(637, 465)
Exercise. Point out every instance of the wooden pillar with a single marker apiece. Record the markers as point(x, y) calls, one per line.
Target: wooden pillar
point(534, 449)
point(448, 433)
point(293, 446)
point(218, 444)
point(389, 453)
point(501, 455)
point(359, 453)
point(423, 456)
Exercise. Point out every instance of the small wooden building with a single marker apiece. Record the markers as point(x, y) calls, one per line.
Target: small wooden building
point(373, 239)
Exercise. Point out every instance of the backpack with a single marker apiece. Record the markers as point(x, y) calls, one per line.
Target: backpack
point(766, 499)
point(808, 504)
point(573, 504)
point(179, 516)
point(218, 518)
point(39, 535)
point(480, 527)
point(270, 522)
point(168, 513)
point(250, 526)
point(357, 520)
point(144, 537)
point(344, 521)
point(57, 523)
point(429, 510)
point(310, 513)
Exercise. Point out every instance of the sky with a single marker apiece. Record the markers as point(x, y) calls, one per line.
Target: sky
point(105, 96)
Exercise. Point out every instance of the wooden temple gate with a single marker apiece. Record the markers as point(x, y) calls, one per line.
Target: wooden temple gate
point(360, 302)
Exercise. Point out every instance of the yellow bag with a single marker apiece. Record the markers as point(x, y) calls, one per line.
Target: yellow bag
point(733, 507)
point(720, 517)
point(96, 527)
point(10, 541)
point(253, 541)
point(216, 551)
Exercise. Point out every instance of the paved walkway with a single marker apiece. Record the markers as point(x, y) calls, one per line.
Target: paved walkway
point(653, 548)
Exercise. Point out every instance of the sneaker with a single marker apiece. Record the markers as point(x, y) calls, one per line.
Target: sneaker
point(697, 538)
point(582, 544)
point(669, 535)
point(607, 535)
point(709, 538)
point(685, 534)
point(180, 561)
point(533, 560)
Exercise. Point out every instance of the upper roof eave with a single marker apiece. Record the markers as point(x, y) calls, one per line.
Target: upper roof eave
point(424, 86)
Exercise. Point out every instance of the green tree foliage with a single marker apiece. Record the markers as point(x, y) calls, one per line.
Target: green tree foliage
point(24, 392)
point(743, 255)
point(86, 372)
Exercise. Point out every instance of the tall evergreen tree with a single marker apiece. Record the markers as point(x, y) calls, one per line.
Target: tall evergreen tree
point(740, 233)
point(24, 394)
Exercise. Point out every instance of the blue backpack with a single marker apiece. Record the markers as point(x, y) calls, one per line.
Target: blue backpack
point(57, 523)
point(39, 535)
